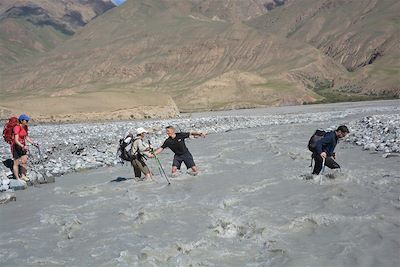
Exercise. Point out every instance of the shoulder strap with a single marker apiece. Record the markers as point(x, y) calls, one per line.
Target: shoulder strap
point(133, 144)
point(130, 141)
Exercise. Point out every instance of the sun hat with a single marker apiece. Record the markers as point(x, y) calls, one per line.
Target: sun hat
point(140, 130)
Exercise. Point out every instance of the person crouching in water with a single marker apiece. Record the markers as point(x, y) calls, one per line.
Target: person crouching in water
point(325, 147)
point(141, 150)
point(19, 147)
point(176, 142)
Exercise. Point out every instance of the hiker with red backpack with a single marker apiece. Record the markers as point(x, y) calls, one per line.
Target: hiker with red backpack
point(16, 134)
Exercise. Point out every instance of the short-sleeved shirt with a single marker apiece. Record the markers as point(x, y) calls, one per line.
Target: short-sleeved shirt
point(177, 144)
point(140, 147)
point(22, 133)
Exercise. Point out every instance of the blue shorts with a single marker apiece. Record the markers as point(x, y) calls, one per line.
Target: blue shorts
point(186, 158)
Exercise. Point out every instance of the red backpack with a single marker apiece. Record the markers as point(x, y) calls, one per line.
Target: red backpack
point(8, 129)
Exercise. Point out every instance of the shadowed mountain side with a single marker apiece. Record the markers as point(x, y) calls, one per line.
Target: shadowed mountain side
point(363, 36)
point(30, 27)
point(155, 46)
point(235, 10)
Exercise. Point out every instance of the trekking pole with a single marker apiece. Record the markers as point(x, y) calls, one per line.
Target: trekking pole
point(160, 168)
point(322, 170)
point(40, 152)
point(163, 171)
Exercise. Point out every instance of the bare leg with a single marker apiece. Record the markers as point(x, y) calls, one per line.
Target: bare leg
point(16, 168)
point(194, 171)
point(194, 168)
point(174, 171)
point(24, 164)
point(148, 176)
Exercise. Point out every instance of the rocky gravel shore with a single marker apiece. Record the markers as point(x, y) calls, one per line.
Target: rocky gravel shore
point(377, 133)
point(66, 148)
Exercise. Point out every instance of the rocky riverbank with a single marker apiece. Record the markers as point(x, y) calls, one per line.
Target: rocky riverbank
point(377, 133)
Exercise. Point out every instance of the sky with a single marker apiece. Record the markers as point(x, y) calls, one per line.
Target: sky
point(118, 2)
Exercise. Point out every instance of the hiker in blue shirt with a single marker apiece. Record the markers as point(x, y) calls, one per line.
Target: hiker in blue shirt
point(325, 148)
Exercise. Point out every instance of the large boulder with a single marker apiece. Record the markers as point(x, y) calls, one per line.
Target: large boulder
point(18, 184)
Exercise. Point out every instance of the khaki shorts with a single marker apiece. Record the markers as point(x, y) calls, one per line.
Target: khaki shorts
point(139, 167)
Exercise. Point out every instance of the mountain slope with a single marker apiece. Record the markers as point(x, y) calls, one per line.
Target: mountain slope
point(30, 27)
point(363, 36)
point(161, 46)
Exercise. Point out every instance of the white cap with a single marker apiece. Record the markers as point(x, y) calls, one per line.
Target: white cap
point(140, 131)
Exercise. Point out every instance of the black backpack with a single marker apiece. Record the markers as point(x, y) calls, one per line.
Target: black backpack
point(122, 152)
point(312, 143)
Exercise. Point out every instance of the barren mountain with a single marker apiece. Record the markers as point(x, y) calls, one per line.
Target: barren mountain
point(183, 53)
point(28, 27)
point(213, 54)
point(362, 35)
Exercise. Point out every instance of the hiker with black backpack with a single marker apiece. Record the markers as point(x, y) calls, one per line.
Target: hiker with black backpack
point(323, 144)
point(16, 134)
point(134, 150)
point(141, 150)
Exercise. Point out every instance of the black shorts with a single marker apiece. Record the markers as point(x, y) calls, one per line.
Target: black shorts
point(187, 158)
point(18, 152)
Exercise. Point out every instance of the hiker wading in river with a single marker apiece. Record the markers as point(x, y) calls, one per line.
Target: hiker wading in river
point(140, 150)
point(325, 147)
point(176, 142)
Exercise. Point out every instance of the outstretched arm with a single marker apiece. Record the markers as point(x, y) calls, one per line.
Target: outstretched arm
point(198, 134)
point(158, 151)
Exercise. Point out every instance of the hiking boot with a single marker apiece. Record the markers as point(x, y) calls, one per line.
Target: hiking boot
point(24, 178)
point(174, 175)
